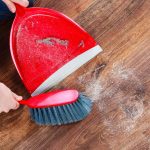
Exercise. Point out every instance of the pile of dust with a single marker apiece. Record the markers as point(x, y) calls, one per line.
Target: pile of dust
point(52, 41)
point(120, 93)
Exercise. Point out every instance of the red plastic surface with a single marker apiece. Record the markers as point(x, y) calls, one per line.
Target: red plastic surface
point(42, 41)
point(50, 99)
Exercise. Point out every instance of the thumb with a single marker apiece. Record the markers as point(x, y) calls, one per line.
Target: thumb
point(17, 97)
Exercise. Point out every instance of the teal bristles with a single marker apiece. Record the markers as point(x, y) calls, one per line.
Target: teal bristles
point(64, 114)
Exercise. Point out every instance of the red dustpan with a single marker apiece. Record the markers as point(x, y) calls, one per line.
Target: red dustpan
point(46, 46)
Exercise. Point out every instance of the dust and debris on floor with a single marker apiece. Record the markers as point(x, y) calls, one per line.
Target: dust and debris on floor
point(120, 93)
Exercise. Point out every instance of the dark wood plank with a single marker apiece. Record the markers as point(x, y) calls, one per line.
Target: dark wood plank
point(118, 82)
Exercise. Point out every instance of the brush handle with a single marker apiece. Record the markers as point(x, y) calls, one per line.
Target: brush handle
point(23, 102)
point(50, 99)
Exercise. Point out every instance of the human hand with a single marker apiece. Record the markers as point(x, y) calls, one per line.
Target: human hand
point(10, 4)
point(8, 99)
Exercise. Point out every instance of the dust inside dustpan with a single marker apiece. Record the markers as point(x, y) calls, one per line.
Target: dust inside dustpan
point(47, 46)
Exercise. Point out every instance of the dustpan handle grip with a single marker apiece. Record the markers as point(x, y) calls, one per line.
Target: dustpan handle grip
point(20, 10)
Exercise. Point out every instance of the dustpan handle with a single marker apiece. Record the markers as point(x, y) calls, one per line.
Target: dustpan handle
point(20, 10)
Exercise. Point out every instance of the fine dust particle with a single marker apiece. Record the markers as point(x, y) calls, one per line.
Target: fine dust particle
point(52, 41)
point(119, 71)
point(132, 108)
point(96, 90)
point(45, 41)
point(121, 90)
point(87, 76)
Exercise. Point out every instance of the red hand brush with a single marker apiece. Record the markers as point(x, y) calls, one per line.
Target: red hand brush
point(58, 107)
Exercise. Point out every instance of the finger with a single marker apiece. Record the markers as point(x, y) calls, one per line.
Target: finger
point(17, 97)
point(16, 106)
point(24, 3)
point(6, 110)
point(10, 5)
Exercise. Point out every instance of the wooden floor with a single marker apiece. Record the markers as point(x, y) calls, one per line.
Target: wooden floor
point(117, 80)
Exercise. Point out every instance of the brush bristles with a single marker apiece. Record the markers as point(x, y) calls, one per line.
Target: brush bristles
point(63, 114)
